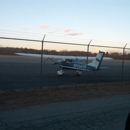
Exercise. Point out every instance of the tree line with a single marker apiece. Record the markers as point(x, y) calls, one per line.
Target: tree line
point(11, 51)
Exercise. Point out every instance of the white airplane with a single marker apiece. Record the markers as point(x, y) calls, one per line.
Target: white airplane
point(71, 62)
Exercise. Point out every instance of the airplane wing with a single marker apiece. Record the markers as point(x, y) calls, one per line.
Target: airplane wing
point(60, 56)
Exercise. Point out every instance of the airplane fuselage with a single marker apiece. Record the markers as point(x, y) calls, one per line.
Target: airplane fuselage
point(75, 66)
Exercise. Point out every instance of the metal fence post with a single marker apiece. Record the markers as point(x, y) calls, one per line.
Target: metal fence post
point(123, 62)
point(41, 67)
point(87, 61)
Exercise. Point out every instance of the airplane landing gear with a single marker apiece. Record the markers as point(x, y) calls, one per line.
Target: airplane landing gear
point(60, 72)
point(78, 73)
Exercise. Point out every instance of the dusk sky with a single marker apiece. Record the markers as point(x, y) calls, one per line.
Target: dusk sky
point(105, 20)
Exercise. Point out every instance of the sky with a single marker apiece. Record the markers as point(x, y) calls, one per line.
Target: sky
point(99, 20)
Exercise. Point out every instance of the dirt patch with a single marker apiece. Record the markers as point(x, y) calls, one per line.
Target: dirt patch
point(24, 98)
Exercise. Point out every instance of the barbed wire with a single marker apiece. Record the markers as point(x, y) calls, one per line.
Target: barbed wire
point(57, 38)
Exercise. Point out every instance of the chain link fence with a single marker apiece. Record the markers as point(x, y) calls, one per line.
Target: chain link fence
point(25, 72)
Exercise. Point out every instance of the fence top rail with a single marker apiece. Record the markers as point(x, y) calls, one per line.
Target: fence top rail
point(62, 43)
point(108, 46)
point(69, 43)
point(21, 39)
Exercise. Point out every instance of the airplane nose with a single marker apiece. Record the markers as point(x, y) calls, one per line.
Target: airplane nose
point(54, 63)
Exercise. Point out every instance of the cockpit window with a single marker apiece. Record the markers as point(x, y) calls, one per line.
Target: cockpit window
point(69, 60)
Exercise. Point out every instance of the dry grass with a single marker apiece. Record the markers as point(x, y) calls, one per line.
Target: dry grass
point(25, 98)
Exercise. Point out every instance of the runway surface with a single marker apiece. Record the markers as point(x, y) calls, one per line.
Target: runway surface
point(17, 72)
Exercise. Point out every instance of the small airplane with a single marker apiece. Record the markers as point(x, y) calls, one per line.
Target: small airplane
point(71, 62)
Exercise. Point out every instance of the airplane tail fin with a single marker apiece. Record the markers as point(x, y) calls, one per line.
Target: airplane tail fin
point(96, 63)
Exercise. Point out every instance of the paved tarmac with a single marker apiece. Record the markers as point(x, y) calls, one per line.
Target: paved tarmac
point(95, 114)
point(17, 72)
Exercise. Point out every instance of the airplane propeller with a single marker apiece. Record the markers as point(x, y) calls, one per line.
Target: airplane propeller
point(55, 63)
